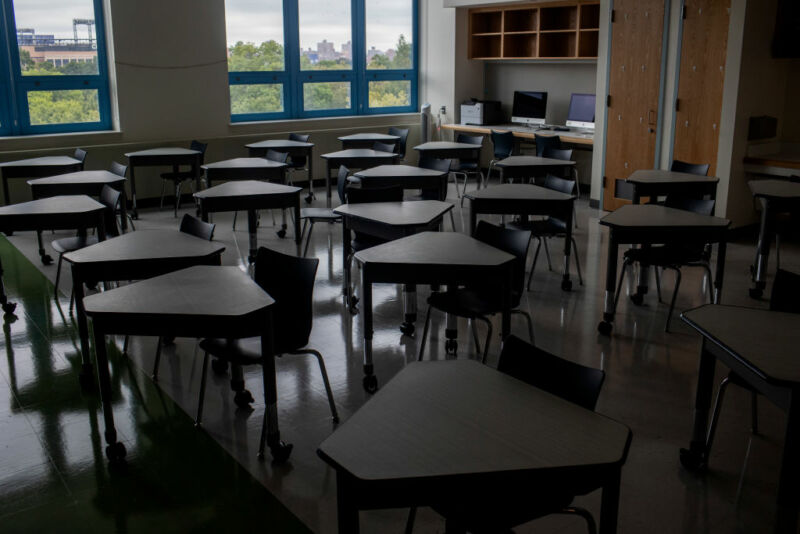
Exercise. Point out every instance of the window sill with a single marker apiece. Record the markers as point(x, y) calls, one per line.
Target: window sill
point(323, 123)
point(37, 142)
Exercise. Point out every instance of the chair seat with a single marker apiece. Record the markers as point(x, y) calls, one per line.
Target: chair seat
point(68, 244)
point(245, 351)
point(319, 213)
point(665, 255)
point(471, 303)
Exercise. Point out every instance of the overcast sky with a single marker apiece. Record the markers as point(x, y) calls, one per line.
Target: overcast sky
point(49, 17)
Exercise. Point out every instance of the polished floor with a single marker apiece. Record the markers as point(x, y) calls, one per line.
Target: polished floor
point(53, 473)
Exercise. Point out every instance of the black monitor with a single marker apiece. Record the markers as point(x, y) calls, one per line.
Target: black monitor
point(529, 107)
point(581, 111)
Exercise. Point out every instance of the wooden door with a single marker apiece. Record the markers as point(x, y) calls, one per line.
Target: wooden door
point(634, 85)
point(702, 75)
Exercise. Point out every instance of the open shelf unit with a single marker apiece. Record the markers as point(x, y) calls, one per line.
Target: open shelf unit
point(558, 30)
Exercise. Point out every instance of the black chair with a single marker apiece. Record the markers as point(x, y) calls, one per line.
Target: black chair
point(80, 155)
point(109, 197)
point(290, 281)
point(467, 166)
point(299, 163)
point(280, 157)
point(672, 256)
point(506, 508)
point(543, 229)
point(691, 168)
point(384, 147)
point(309, 216)
point(177, 176)
point(543, 142)
point(478, 302)
point(402, 133)
point(785, 298)
point(564, 154)
point(503, 147)
point(121, 170)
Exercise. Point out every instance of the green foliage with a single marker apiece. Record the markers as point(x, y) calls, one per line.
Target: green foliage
point(247, 57)
point(326, 95)
point(265, 98)
point(63, 107)
point(25, 60)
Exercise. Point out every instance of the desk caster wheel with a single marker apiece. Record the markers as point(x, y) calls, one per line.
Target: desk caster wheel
point(280, 452)
point(309, 198)
point(243, 399)
point(220, 367)
point(9, 307)
point(637, 299)
point(370, 383)
point(756, 292)
point(47, 259)
point(566, 285)
point(116, 453)
point(605, 328)
point(693, 461)
point(451, 346)
point(407, 329)
point(281, 233)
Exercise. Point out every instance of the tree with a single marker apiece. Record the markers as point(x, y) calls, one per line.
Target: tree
point(25, 61)
point(247, 57)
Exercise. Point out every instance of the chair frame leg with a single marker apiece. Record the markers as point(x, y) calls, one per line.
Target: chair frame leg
point(421, 351)
point(577, 260)
point(58, 275)
point(547, 254)
point(712, 426)
point(591, 526)
point(658, 282)
point(475, 336)
point(308, 236)
point(324, 372)
point(533, 264)
point(529, 320)
point(488, 336)
point(198, 420)
point(674, 295)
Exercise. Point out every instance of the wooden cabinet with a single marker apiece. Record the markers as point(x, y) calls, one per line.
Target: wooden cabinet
point(561, 30)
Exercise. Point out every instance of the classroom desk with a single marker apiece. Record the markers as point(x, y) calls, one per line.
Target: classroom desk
point(526, 199)
point(354, 158)
point(448, 150)
point(405, 176)
point(54, 213)
point(251, 196)
point(573, 137)
point(133, 256)
point(294, 149)
point(447, 429)
point(776, 196)
point(529, 166)
point(431, 258)
point(388, 221)
point(81, 183)
point(783, 164)
point(201, 301)
point(245, 169)
point(367, 140)
point(658, 182)
point(648, 224)
point(36, 168)
point(162, 157)
point(760, 346)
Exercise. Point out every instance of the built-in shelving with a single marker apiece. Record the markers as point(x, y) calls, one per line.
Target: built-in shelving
point(562, 30)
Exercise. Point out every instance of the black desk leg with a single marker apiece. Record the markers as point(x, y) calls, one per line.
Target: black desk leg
point(718, 279)
point(346, 509)
point(309, 162)
point(328, 184)
point(609, 504)
point(123, 209)
point(370, 381)
point(85, 376)
point(115, 451)
point(409, 309)
point(609, 304)
point(695, 458)
point(350, 301)
point(759, 269)
point(566, 283)
point(8, 307)
point(298, 236)
point(133, 191)
point(789, 481)
point(45, 257)
point(252, 229)
point(270, 431)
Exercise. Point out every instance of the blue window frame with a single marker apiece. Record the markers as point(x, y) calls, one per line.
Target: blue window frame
point(298, 90)
point(39, 96)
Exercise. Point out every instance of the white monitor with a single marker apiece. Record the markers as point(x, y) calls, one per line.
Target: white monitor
point(529, 107)
point(581, 111)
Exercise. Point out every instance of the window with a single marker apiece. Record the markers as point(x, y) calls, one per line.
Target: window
point(53, 74)
point(312, 58)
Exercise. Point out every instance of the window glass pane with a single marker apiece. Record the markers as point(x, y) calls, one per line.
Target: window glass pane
point(257, 98)
point(254, 35)
point(389, 32)
point(326, 95)
point(56, 37)
point(63, 107)
point(389, 94)
point(325, 36)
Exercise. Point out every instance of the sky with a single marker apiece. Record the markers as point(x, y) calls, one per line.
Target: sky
point(49, 17)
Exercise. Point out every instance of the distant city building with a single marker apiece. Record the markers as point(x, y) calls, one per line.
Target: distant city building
point(59, 52)
point(326, 51)
point(372, 52)
point(347, 50)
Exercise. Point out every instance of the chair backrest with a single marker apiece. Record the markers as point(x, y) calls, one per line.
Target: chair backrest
point(571, 381)
point(303, 138)
point(700, 206)
point(341, 183)
point(514, 242)
point(564, 154)
point(358, 195)
point(503, 144)
point(471, 140)
point(691, 168)
point(200, 147)
point(289, 280)
point(194, 226)
point(785, 292)
point(546, 141)
point(559, 184)
point(435, 164)
point(402, 133)
point(383, 147)
point(80, 155)
point(109, 197)
point(118, 168)
point(280, 157)
point(298, 161)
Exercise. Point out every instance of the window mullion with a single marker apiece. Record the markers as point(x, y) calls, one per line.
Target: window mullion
point(359, 88)
point(291, 30)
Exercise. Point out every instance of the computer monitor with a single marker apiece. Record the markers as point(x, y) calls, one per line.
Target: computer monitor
point(581, 111)
point(529, 107)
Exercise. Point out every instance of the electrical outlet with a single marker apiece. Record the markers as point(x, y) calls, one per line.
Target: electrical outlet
point(443, 110)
